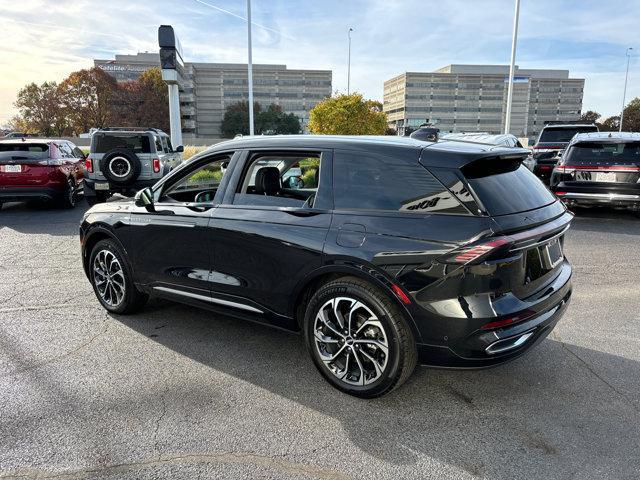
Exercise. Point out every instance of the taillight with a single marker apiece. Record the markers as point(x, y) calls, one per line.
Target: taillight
point(156, 165)
point(508, 321)
point(472, 253)
point(559, 194)
point(88, 164)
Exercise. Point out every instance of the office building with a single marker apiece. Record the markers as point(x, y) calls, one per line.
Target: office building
point(207, 89)
point(473, 98)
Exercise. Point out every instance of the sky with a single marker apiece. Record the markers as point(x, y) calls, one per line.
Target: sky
point(46, 40)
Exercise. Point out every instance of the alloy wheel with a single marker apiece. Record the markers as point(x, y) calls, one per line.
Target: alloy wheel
point(108, 278)
point(351, 341)
point(119, 166)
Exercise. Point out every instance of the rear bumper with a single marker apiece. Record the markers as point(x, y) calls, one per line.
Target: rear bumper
point(20, 194)
point(604, 199)
point(488, 348)
point(90, 189)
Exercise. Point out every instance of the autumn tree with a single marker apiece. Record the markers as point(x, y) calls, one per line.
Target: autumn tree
point(590, 116)
point(611, 124)
point(142, 102)
point(270, 121)
point(88, 96)
point(41, 111)
point(348, 115)
point(631, 120)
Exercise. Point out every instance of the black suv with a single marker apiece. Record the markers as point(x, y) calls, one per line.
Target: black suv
point(553, 139)
point(600, 169)
point(383, 251)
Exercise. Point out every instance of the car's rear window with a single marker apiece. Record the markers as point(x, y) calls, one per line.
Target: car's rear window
point(563, 134)
point(506, 187)
point(9, 151)
point(603, 153)
point(136, 143)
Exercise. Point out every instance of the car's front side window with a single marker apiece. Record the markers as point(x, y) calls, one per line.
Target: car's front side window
point(199, 185)
point(280, 180)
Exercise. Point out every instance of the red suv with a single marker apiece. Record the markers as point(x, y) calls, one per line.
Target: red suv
point(40, 170)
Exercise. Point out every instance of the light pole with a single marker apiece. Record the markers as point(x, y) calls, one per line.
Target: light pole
point(349, 62)
point(624, 93)
point(250, 68)
point(514, 41)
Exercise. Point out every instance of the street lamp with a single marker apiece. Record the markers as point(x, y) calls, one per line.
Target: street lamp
point(349, 62)
point(514, 41)
point(624, 93)
point(250, 68)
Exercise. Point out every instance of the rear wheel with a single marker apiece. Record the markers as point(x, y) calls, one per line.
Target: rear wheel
point(358, 338)
point(112, 279)
point(68, 199)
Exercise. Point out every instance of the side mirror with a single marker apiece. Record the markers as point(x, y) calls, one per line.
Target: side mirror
point(180, 149)
point(144, 198)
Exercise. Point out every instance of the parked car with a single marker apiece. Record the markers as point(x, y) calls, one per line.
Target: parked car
point(38, 169)
point(553, 139)
point(16, 135)
point(125, 160)
point(600, 169)
point(397, 252)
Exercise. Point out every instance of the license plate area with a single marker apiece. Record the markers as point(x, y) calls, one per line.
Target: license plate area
point(604, 177)
point(101, 186)
point(542, 259)
point(11, 168)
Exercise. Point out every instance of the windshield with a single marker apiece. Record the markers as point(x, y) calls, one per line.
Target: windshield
point(506, 187)
point(563, 134)
point(607, 153)
point(135, 143)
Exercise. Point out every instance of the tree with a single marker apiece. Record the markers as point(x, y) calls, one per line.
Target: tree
point(143, 102)
point(590, 116)
point(88, 97)
point(348, 115)
point(270, 121)
point(631, 120)
point(610, 124)
point(41, 110)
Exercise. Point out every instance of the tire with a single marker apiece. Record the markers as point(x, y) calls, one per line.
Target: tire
point(120, 294)
point(95, 199)
point(120, 166)
point(385, 340)
point(68, 199)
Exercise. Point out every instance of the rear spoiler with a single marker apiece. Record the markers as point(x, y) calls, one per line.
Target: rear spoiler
point(458, 158)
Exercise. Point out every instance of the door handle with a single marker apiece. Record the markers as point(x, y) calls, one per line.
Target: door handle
point(303, 212)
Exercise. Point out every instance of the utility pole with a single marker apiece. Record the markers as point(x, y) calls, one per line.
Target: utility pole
point(349, 62)
point(250, 71)
point(514, 41)
point(624, 93)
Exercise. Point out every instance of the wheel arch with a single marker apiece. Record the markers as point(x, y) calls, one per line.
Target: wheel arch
point(92, 237)
point(304, 290)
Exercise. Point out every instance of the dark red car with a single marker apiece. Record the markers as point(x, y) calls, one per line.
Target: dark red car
point(40, 170)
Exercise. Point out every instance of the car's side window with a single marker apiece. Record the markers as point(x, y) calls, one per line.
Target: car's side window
point(280, 180)
point(159, 148)
point(199, 185)
point(387, 183)
point(165, 148)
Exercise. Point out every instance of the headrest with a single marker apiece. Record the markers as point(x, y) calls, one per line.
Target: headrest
point(268, 181)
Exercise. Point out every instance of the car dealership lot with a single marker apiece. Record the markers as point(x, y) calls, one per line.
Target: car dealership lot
point(177, 392)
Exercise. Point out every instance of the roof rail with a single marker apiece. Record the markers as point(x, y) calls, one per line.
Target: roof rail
point(131, 129)
point(568, 122)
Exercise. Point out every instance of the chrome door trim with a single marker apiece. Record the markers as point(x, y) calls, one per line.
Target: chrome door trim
point(219, 301)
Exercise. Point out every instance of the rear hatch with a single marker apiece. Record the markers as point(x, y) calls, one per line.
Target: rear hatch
point(524, 250)
point(141, 144)
point(601, 167)
point(23, 163)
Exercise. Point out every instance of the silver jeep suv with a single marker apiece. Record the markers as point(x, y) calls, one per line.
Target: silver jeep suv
point(125, 160)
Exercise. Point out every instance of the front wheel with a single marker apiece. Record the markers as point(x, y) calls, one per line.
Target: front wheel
point(112, 280)
point(358, 338)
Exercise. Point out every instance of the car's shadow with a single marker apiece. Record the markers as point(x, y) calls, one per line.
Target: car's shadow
point(485, 422)
point(42, 218)
point(605, 220)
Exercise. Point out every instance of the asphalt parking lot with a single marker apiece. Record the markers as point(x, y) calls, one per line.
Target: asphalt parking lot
point(175, 392)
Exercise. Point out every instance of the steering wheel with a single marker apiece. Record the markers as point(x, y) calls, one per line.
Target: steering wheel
point(205, 196)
